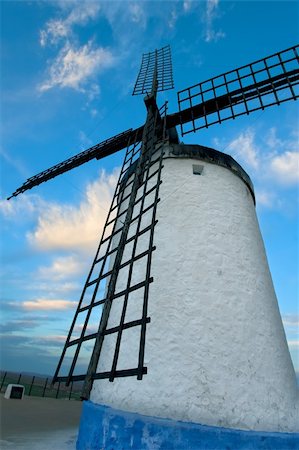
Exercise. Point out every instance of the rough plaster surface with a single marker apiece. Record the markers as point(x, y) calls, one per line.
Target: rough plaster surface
point(215, 350)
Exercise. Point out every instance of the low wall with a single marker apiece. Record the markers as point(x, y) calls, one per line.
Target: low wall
point(105, 428)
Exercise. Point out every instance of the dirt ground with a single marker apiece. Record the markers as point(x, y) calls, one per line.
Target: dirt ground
point(25, 420)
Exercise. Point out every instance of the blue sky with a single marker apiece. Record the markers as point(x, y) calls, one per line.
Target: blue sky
point(67, 74)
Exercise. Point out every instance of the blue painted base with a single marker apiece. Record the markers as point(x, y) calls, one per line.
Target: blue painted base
point(105, 428)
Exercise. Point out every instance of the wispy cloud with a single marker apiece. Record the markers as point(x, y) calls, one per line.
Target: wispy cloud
point(59, 288)
point(91, 328)
point(55, 30)
point(187, 5)
point(18, 325)
point(94, 112)
point(291, 326)
point(271, 156)
point(67, 227)
point(44, 286)
point(73, 67)
point(291, 320)
point(286, 167)
point(173, 18)
point(77, 14)
point(244, 148)
point(283, 156)
point(266, 198)
point(137, 13)
point(119, 13)
point(271, 161)
point(211, 35)
point(293, 343)
point(272, 139)
point(62, 267)
point(51, 341)
point(44, 304)
point(25, 205)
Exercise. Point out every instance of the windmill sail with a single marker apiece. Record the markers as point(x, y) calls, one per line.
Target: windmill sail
point(118, 252)
point(113, 282)
point(263, 83)
point(98, 151)
point(159, 61)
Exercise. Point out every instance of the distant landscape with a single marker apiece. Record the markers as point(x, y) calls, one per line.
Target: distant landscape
point(39, 385)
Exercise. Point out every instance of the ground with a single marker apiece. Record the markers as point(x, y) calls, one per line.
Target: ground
point(39, 423)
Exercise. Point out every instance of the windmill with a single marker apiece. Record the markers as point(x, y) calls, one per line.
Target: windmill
point(121, 292)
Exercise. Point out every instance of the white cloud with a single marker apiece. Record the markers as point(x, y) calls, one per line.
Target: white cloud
point(270, 161)
point(74, 66)
point(91, 328)
point(291, 320)
point(268, 154)
point(44, 304)
point(80, 14)
point(94, 112)
point(55, 30)
point(291, 326)
point(123, 13)
point(211, 14)
point(54, 340)
point(244, 148)
point(173, 18)
point(265, 198)
point(62, 267)
point(73, 229)
point(67, 227)
point(93, 91)
point(24, 206)
point(137, 13)
point(187, 5)
point(286, 167)
point(44, 286)
point(83, 12)
point(272, 140)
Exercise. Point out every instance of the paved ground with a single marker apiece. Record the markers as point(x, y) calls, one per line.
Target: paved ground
point(36, 423)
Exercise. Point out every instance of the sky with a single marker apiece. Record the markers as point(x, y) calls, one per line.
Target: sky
point(67, 75)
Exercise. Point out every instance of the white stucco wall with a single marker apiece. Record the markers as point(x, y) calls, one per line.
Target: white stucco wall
point(215, 350)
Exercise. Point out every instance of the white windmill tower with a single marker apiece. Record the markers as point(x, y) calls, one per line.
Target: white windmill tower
point(188, 322)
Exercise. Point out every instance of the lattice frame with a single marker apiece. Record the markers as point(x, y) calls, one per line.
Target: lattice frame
point(263, 83)
point(149, 180)
point(159, 64)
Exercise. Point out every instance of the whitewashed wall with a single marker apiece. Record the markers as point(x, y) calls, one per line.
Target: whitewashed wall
point(216, 351)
